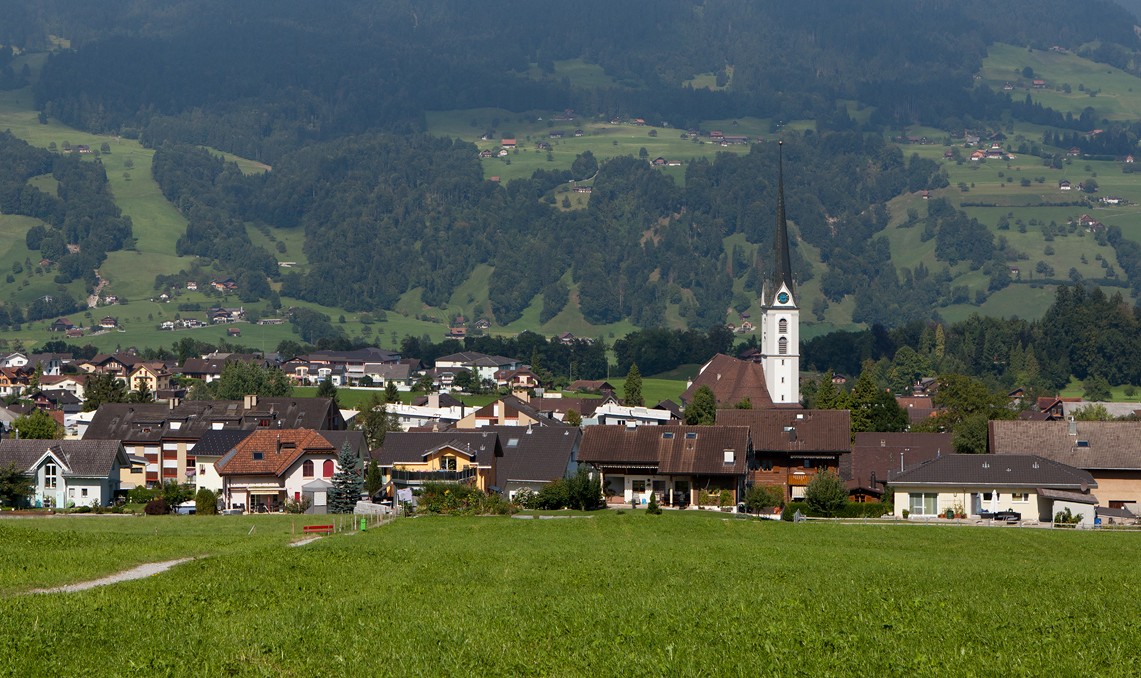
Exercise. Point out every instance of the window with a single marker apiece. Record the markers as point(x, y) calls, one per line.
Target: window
point(51, 476)
point(307, 468)
point(782, 346)
point(923, 503)
point(83, 492)
point(668, 435)
point(638, 485)
point(327, 468)
point(691, 435)
point(988, 496)
point(448, 463)
point(259, 455)
point(1020, 496)
point(766, 464)
point(730, 456)
point(782, 326)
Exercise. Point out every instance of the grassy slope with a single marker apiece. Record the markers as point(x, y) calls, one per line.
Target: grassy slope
point(609, 594)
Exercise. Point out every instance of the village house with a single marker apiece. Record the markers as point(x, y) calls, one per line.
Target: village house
point(612, 414)
point(1109, 450)
point(165, 434)
point(1014, 487)
point(507, 411)
point(67, 472)
point(682, 465)
point(876, 455)
point(414, 458)
point(481, 365)
point(534, 456)
point(269, 467)
point(209, 368)
point(790, 447)
point(599, 386)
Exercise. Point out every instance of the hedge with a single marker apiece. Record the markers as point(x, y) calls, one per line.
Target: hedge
point(850, 510)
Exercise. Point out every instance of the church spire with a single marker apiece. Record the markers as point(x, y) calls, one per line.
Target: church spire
point(783, 271)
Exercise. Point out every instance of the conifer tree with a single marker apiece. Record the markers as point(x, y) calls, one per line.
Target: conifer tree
point(347, 482)
point(703, 410)
point(633, 388)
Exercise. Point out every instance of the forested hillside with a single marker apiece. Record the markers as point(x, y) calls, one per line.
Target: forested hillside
point(335, 97)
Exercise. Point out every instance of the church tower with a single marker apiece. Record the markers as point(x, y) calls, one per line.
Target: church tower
point(780, 315)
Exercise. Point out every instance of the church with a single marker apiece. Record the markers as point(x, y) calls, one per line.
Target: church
point(775, 381)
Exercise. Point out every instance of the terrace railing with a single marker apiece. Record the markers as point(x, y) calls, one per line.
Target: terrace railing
point(419, 477)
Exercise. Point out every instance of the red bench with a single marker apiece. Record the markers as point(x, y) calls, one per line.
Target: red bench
point(324, 529)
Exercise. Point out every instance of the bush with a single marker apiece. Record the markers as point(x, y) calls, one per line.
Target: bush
point(446, 499)
point(848, 510)
point(826, 493)
point(760, 497)
point(156, 507)
point(297, 506)
point(205, 503)
point(141, 495)
point(652, 508)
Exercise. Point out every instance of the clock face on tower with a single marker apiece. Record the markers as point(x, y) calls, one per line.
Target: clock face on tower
point(783, 297)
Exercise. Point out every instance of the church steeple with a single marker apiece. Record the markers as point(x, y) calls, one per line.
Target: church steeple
point(782, 272)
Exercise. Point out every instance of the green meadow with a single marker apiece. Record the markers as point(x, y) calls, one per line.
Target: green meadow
point(609, 594)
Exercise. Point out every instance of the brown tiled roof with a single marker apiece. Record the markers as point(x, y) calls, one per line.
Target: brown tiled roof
point(590, 385)
point(814, 430)
point(880, 453)
point(673, 449)
point(584, 406)
point(988, 470)
point(279, 448)
point(1094, 445)
point(731, 381)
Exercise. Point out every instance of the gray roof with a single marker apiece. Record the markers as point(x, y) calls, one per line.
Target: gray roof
point(672, 449)
point(413, 446)
point(537, 453)
point(989, 470)
point(1088, 444)
point(338, 438)
point(1067, 495)
point(1113, 409)
point(83, 458)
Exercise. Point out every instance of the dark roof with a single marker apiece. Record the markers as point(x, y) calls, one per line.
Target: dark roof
point(590, 385)
point(535, 453)
point(446, 400)
point(880, 454)
point(412, 446)
point(584, 406)
point(369, 354)
point(989, 470)
point(61, 397)
point(1067, 495)
point(512, 406)
point(671, 407)
point(819, 431)
point(731, 381)
point(147, 422)
point(84, 458)
point(782, 271)
point(1093, 444)
point(672, 449)
point(337, 439)
point(218, 443)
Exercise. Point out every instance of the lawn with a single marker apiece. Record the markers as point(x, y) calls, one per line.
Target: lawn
point(605, 595)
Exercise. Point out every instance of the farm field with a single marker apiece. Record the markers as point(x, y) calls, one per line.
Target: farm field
point(609, 594)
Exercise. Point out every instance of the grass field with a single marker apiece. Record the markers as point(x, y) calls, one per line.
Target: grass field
point(605, 595)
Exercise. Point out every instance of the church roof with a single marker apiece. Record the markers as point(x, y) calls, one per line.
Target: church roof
point(782, 271)
point(731, 381)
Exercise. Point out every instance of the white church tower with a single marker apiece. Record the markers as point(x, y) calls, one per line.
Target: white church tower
point(780, 315)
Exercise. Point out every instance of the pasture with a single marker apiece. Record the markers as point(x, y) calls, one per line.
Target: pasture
point(608, 594)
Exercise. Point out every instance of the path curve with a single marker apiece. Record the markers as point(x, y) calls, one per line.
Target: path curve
point(140, 572)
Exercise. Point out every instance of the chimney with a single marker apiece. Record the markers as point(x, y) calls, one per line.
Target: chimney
point(1073, 427)
point(433, 399)
point(250, 401)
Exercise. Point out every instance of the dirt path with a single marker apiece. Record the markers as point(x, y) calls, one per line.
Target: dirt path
point(140, 572)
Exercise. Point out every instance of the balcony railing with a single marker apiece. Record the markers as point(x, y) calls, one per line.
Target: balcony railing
point(420, 477)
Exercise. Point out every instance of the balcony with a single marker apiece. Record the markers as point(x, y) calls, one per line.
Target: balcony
point(403, 477)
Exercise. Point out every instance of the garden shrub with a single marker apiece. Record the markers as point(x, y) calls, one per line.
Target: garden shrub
point(141, 495)
point(848, 510)
point(652, 508)
point(156, 507)
point(826, 493)
point(760, 497)
point(205, 502)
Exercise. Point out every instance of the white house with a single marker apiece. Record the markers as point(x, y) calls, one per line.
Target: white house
point(980, 485)
point(621, 415)
point(67, 472)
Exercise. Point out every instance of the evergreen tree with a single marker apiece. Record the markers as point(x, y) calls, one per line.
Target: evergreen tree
point(15, 486)
point(827, 395)
point(347, 481)
point(102, 388)
point(703, 410)
point(326, 389)
point(632, 390)
point(373, 479)
point(391, 393)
